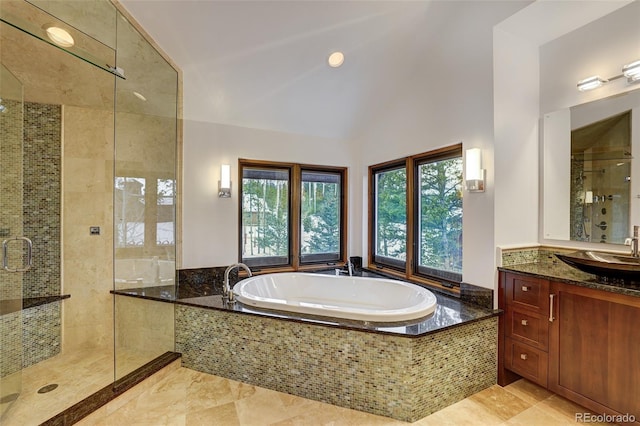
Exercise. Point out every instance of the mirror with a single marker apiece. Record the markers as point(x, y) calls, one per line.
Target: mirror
point(591, 181)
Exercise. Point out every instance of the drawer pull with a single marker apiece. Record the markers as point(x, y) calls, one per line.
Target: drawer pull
point(524, 322)
point(523, 356)
point(525, 288)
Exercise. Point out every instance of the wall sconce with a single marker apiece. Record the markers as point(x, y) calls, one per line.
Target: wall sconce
point(474, 173)
point(630, 71)
point(224, 184)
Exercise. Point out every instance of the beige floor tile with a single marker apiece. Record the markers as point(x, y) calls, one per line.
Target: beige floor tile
point(528, 392)
point(562, 408)
point(535, 416)
point(223, 415)
point(267, 407)
point(500, 402)
point(462, 413)
point(321, 414)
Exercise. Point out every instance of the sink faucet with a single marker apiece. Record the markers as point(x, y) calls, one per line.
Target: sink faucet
point(227, 291)
point(635, 242)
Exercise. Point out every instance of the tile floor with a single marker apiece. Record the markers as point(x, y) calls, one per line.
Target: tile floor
point(77, 373)
point(185, 397)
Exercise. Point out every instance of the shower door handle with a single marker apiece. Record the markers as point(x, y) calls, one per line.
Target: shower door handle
point(5, 255)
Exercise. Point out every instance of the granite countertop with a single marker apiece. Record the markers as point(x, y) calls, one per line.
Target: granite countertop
point(558, 271)
point(450, 311)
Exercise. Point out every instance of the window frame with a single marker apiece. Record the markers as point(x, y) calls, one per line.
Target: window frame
point(409, 270)
point(295, 260)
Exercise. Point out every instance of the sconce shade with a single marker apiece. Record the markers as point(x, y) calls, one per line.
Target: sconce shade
point(224, 184)
point(474, 164)
point(474, 173)
point(590, 83)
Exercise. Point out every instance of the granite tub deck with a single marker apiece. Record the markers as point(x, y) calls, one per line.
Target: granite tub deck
point(405, 370)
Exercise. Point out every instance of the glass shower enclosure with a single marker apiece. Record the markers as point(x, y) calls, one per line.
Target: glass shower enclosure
point(88, 139)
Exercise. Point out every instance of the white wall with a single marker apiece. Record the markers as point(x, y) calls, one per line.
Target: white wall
point(210, 224)
point(601, 48)
point(487, 97)
point(516, 139)
point(454, 105)
point(537, 66)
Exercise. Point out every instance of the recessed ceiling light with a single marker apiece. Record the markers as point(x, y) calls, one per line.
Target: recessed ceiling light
point(335, 59)
point(60, 36)
point(139, 96)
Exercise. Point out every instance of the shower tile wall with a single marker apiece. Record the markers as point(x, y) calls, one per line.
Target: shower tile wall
point(42, 145)
point(34, 334)
point(11, 123)
point(88, 201)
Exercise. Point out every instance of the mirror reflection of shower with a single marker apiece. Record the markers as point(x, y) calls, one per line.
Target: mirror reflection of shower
point(601, 176)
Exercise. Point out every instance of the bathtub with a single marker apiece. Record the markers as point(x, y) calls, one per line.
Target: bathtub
point(358, 298)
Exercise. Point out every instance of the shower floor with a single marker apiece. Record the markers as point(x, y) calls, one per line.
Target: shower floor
point(78, 374)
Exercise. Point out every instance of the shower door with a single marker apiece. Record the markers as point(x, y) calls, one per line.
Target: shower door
point(14, 260)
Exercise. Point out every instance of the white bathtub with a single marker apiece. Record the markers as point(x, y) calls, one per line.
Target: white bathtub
point(365, 299)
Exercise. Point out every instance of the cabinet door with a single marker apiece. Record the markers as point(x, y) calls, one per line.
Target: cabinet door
point(594, 349)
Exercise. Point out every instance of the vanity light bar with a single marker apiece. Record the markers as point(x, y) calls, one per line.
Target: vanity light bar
point(590, 83)
point(630, 71)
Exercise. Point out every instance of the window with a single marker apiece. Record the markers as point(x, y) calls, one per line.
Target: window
point(391, 216)
point(292, 215)
point(320, 213)
point(416, 217)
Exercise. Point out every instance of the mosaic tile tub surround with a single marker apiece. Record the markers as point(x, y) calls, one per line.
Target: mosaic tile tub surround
point(405, 378)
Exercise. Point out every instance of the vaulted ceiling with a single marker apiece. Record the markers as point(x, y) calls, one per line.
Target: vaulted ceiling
point(262, 64)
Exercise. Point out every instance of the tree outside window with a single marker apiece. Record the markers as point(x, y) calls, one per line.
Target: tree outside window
point(416, 212)
point(286, 228)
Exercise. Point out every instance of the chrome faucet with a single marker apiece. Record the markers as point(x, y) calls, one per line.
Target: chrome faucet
point(635, 242)
point(349, 270)
point(227, 291)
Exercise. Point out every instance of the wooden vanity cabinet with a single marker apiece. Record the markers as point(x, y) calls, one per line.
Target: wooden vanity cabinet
point(581, 343)
point(594, 349)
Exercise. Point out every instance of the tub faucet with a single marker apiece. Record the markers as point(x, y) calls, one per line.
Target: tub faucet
point(227, 291)
point(349, 270)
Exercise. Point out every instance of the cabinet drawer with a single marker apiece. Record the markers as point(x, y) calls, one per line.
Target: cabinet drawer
point(527, 327)
point(528, 292)
point(527, 361)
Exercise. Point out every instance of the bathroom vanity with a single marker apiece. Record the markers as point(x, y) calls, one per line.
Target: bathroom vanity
point(572, 335)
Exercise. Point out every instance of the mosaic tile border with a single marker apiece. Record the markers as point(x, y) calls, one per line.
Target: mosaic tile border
point(537, 254)
point(398, 377)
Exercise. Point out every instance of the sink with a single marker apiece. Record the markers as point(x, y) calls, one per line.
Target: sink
point(613, 265)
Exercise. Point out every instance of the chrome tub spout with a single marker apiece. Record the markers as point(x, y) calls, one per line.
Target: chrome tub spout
point(227, 290)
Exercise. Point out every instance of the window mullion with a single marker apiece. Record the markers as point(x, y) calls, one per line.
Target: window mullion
point(411, 215)
point(295, 214)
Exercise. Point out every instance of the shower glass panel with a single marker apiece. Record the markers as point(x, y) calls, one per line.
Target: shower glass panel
point(144, 199)
point(58, 141)
point(11, 123)
point(65, 128)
